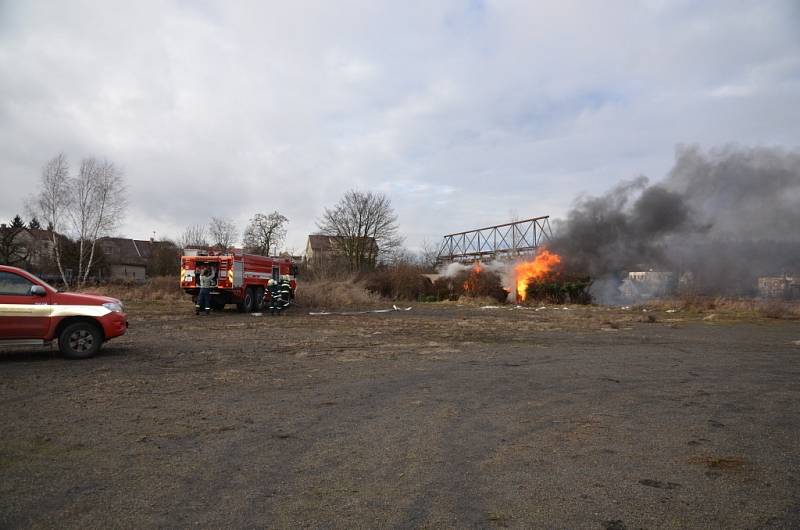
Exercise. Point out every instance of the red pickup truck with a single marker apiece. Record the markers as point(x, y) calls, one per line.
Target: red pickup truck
point(34, 313)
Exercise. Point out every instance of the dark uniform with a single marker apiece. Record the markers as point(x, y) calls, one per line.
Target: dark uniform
point(275, 302)
point(286, 293)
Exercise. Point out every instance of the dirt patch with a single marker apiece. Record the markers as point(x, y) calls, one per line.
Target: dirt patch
point(447, 415)
point(720, 463)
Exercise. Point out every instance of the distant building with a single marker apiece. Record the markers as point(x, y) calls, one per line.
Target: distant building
point(133, 259)
point(27, 247)
point(783, 287)
point(644, 285)
point(322, 250)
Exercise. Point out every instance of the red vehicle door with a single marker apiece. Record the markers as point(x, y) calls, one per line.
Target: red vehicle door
point(22, 315)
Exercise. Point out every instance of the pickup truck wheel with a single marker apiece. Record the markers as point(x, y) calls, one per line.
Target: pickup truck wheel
point(246, 305)
point(80, 340)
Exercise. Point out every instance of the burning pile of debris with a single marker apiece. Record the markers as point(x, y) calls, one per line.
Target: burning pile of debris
point(540, 279)
point(476, 281)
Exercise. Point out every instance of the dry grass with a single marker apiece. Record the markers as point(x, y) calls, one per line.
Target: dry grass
point(155, 289)
point(329, 294)
point(732, 307)
point(403, 282)
point(315, 294)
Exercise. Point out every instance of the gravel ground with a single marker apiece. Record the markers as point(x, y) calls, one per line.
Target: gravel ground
point(444, 416)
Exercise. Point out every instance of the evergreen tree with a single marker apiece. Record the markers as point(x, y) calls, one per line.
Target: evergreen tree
point(34, 224)
point(17, 222)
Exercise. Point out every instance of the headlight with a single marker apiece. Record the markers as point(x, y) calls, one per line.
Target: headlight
point(114, 307)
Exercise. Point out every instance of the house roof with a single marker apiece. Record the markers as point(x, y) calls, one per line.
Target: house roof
point(40, 234)
point(320, 242)
point(125, 251)
point(33, 233)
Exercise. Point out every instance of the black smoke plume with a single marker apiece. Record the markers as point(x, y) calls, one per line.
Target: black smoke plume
point(725, 216)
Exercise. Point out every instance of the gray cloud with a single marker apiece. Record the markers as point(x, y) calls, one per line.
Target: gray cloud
point(459, 111)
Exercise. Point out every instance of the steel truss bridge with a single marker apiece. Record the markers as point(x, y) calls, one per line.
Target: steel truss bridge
point(510, 239)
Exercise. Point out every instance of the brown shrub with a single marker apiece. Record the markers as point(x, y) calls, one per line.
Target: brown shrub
point(328, 294)
point(398, 283)
point(778, 309)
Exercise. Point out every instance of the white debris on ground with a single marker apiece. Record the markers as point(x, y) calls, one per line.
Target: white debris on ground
point(392, 310)
point(490, 307)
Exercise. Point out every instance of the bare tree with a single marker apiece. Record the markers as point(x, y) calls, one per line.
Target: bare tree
point(428, 254)
point(97, 206)
point(223, 232)
point(194, 237)
point(265, 233)
point(364, 225)
point(91, 204)
point(52, 202)
point(165, 259)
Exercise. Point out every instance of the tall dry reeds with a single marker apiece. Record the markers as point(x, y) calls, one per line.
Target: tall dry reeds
point(403, 282)
point(739, 307)
point(160, 288)
point(335, 294)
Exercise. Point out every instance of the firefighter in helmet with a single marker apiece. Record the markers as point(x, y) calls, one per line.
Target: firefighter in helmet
point(286, 291)
point(274, 297)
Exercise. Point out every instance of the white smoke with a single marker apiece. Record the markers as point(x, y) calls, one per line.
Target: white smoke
point(502, 267)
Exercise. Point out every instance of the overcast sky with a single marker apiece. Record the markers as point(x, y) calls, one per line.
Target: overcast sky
point(463, 112)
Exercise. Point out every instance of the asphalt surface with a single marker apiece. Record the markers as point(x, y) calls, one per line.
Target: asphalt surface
point(439, 417)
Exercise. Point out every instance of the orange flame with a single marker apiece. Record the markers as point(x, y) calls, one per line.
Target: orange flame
point(544, 262)
point(472, 280)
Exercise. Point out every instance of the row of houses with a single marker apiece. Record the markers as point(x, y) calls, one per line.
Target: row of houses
point(120, 258)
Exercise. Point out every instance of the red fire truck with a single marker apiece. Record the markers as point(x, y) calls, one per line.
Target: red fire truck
point(238, 278)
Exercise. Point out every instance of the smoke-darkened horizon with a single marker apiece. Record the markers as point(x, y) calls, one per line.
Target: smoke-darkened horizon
point(726, 216)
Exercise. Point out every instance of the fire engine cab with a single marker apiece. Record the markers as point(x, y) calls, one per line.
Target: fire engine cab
point(237, 278)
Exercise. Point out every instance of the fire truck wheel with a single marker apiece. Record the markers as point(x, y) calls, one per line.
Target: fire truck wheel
point(80, 340)
point(246, 305)
point(259, 300)
point(217, 305)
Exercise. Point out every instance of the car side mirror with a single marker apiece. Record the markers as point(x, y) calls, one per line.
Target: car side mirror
point(38, 290)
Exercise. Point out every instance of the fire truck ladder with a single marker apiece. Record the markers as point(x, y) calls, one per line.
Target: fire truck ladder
point(510, 239)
